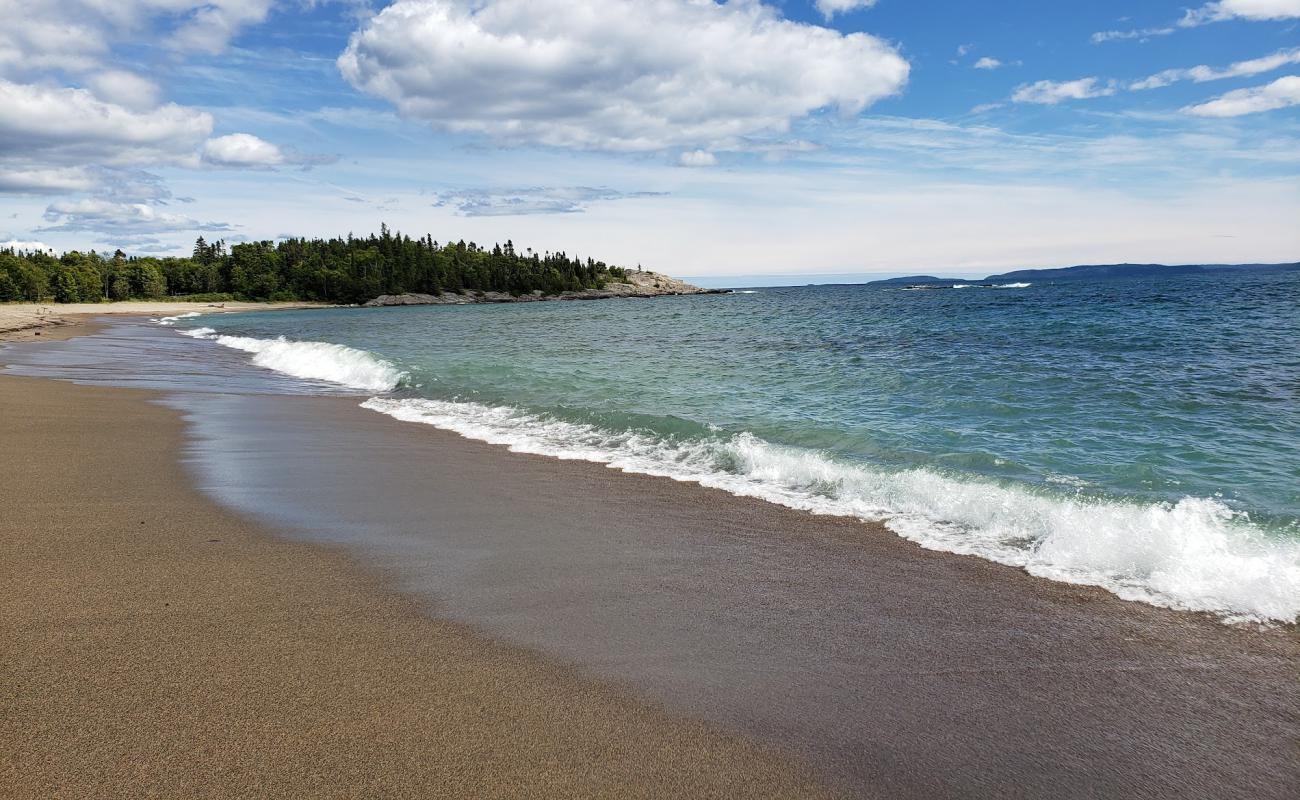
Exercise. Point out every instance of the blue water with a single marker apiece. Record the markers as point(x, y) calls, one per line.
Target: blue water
point(1142, 435)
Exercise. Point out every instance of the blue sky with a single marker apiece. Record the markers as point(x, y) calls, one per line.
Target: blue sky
point(699, 138)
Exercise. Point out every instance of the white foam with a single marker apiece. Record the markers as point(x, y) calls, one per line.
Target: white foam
point(169, 321)
point(321, 361)
point(962, 285)
point(1013, 286)
point(1196, 554)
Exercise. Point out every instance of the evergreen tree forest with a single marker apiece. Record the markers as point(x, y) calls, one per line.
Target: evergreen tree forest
point(347, 270)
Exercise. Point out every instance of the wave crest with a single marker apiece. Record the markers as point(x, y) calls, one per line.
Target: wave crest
point(321, 361)
point(1196, 554)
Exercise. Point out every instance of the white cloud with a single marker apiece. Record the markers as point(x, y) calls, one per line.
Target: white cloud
point(77, 35)
point(1139, 33)
point(1281, 93)
point(1053, 92)
point(697, 158)
point(1241, 9)
point(987, 63)
point(1204, 73)
point(213, 23)
point(530, 201)
point(95, 214)
point(242, 150)
point(626, 75)
point(46, 180)
point(125, 89)
point(830, 8)
point(20, 245)
point(67, 126)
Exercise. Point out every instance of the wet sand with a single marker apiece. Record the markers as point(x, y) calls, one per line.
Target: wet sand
point(894, 671)
point(156, 645)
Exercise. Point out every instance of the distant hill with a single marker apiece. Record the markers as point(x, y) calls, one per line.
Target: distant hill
point(1095, 272)
point(917, 279)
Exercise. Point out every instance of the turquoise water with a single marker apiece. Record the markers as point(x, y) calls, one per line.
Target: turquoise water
point(1142, 435)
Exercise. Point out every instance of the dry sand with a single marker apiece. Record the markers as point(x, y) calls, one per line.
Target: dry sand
point(153, 644)
point(25, 321)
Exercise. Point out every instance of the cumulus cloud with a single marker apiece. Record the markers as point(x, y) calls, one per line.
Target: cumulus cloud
point(65, 127)
point(211, 24)
point(76, 35)
point(99, 215)
point(1204, 73)
point(1281, 93)
point(1241, 9)
point(1053, 92)
point(532, 200)
point(987, 63)
point(242, 150)
point(830, 8)
point(125, 89)
point(625, 75)
point(697, 158)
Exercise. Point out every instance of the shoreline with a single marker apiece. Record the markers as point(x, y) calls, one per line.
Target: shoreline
point(160, 644)
point(21, 322)
point(934, 675)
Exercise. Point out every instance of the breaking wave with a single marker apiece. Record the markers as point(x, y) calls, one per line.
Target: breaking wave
point(170, 321)
point(321, 361)
point(1196, 554)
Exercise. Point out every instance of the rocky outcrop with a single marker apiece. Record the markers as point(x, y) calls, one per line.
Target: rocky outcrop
point(640, 284)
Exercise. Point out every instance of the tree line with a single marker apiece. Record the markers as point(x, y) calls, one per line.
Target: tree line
point(338, 270)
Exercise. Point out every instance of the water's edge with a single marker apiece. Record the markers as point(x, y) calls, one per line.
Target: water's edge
point(1194, 555)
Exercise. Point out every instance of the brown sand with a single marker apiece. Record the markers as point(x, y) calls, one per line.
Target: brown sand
point(152, 644)
point(27, 321)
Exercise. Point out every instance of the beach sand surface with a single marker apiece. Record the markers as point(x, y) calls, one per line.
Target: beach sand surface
point(26, 321)
point(155, 645)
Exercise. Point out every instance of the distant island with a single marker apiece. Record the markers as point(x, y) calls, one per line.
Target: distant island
point(1090, 272)
point(384, 269)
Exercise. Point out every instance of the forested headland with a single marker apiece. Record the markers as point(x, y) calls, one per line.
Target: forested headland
point(339, 270)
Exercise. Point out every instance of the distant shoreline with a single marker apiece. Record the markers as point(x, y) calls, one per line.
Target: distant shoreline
point(26, 321)
point(643, 284)
point(1097, 272)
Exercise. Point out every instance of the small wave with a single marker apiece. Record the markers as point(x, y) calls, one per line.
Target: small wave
point(1013, 286)
point(321, 361)
point(169, 321)
point(962, 285)
point(1196, 554)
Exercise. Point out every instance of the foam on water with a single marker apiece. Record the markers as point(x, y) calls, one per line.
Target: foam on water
point(170, 321)
point(322, 361)
point(1013, 286)
point(1196, 554)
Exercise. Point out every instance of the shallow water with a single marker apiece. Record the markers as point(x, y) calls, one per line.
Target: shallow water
point(1143, 435)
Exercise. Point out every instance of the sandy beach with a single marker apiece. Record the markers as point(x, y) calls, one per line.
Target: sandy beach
point(156, 645)
point(27, 321)
point(393, 609)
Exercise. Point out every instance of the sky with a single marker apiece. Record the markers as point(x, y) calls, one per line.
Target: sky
point(771, 140)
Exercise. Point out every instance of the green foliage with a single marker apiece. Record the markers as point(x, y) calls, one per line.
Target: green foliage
point(207, 297)
point(339, 270)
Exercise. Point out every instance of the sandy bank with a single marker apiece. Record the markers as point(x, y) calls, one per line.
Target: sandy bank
point(154, 644)
point(23, 321)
